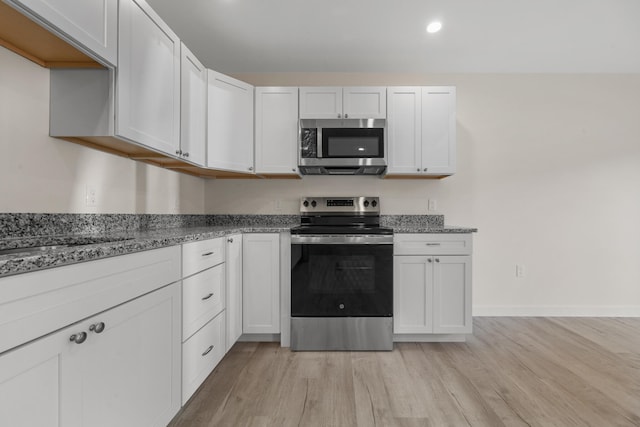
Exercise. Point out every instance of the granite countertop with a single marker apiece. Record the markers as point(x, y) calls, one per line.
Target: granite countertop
point(71, 249)
point(432, 229)
point(72, 239)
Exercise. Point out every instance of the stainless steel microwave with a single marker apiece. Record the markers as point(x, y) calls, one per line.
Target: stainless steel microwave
point(342, 147)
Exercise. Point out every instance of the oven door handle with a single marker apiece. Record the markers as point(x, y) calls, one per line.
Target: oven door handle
point(342, 239)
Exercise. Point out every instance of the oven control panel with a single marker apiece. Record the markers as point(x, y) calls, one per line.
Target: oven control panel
point(345, 205)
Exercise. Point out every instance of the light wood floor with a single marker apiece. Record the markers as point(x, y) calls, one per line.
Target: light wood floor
point(511, 372)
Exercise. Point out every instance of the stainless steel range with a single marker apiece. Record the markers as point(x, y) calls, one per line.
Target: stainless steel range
point(341, 276)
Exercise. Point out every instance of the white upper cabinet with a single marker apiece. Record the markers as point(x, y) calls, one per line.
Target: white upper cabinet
point(320, 102)
point(229, 123)
point(439, 130)
point(276, 130)
point(348, 103)
point(422, 131)
point(89, 25)
point(364, 102)
point(193, 108)
point(404, 127)
point(148, 79)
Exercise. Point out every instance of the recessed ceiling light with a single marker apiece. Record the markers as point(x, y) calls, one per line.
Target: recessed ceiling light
point(434, 27)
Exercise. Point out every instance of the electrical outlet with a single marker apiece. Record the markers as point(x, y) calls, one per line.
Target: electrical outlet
point(433, 205)
point(519, 271)
point(91, 196)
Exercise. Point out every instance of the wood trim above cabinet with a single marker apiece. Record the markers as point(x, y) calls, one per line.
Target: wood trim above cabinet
point(131, 151)
point(28, 39)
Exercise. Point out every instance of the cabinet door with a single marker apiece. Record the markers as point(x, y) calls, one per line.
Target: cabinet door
point(404, 130)
point(452, 295)
point(229, 123)
point(31, 389)
point(90, 25)
point(193, 108)
point(364, 102)
point(439, 130)
point(261, 283)
point(148, 79)
point(128, 374)
point(276, 130)
point(320, 102)
point(234, 289)
point(412, 294)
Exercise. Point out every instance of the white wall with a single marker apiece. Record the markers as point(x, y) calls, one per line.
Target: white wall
point(42, 174)
point(549, 172)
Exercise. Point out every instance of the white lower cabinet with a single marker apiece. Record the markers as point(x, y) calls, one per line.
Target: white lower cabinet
point(261, 283)
point(234, 289)
point(432, 291)
point(201, 353)
point(120, 367)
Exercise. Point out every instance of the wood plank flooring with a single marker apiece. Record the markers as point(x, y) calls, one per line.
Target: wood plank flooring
point(511, 372)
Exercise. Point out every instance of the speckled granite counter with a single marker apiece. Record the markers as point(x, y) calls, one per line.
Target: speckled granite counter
point(86, 237)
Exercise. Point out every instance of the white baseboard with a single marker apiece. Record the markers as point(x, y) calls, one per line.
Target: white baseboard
point(259, 338)
point(557, 311)
point(429, 337)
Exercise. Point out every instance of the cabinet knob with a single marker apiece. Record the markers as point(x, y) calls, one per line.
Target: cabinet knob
point(97, 327)
point(418, 169)
point(178, 152)
point(425, 169)
point(346, 116)
point(208, 350)
point(293, 169)
point(187, 155)
point(207, 296)
point(230, 240)
point(437, 259)
point(430, 260)
point(78, 338)
point(339, 116)
point(250, 168)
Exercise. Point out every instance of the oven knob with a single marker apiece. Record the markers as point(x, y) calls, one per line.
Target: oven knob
point(306, 203)
point(366, 203)
point(341, 306)
point(313, 203)
point(374, 203)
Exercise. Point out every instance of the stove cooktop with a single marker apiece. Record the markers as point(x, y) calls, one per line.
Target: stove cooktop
point(340, 229)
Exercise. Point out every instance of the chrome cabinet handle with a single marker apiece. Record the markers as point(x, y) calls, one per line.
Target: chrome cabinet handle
point(207, 297)
point(78, 338)
point(433, 244)
point(97, 327)
point(207, 351)
point(208, 253)
point(230, 240)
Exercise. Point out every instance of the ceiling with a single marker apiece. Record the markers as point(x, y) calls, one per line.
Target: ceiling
point(478, 36)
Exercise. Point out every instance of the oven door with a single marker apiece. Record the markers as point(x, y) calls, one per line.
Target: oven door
point(341, 276)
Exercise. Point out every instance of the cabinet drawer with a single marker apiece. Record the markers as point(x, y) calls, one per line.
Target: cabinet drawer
point(203, 296)
point(197, 256)
point(432, 244)
point(200, 355)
